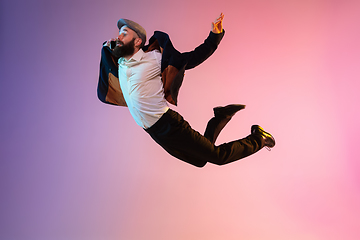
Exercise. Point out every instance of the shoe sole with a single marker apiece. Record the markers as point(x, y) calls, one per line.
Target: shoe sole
point(232, 108)
point(269, 145)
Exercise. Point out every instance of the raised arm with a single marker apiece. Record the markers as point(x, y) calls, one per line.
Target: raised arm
point(206, 49)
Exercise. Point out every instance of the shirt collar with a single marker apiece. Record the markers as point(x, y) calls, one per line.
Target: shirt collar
point(136, 57)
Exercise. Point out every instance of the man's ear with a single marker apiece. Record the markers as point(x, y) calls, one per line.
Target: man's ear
point(138, 42)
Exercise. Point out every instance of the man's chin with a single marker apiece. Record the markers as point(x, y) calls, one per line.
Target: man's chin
point(116, 54)
point(124, 50)
point(119, 52)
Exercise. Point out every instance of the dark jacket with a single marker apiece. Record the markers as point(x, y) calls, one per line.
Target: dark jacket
point(173, 66)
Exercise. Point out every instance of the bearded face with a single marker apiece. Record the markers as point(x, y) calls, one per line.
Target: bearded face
point(124, 50)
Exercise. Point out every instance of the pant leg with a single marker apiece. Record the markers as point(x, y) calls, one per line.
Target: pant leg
point(177, 137)
point(214, 127)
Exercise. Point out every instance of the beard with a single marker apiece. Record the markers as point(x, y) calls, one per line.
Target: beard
point(124, 50)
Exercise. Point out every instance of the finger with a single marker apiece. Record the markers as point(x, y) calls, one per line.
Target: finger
point(219, 19)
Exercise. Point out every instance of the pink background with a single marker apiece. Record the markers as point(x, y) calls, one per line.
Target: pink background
point(74, 168)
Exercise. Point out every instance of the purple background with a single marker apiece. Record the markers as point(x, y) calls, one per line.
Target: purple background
point(74, 168)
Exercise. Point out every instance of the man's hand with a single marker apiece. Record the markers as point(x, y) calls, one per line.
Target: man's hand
point(107, 44)
point(216, 26)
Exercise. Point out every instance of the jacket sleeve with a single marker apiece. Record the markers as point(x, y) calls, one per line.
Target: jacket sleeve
point(108, 89)
point(204, 51)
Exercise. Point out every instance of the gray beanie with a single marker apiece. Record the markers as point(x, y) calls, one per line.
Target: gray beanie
point(140, 31)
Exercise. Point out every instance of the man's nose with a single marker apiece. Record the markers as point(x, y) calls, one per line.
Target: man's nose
point(120, 37)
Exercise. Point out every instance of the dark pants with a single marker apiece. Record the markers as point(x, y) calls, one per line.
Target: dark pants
point(177, 137)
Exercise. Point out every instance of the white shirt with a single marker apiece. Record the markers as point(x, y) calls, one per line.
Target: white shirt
point(142, 87)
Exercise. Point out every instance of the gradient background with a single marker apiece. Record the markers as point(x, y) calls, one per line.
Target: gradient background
point(73, 168)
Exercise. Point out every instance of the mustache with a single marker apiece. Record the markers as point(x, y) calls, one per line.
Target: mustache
point(118, 41)
point(116, 44)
